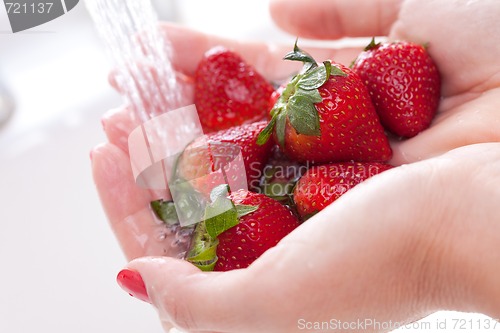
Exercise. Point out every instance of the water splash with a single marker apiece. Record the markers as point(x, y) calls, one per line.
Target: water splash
point(141, 55)
point(144, 73)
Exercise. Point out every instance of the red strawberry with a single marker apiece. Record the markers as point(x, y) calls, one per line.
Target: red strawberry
point(404, 85)
point(323, 184)
point(209, 153)
point(275, 96)
point(251, 224)
point(325, 115)
point(228, 91)
point(256, 232)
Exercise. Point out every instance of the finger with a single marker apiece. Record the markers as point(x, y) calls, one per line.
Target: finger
point(116, 81)
point(127, 206)
point(117, 124)
point(149, 88)
point(189, 46)
point(332, 278)
point(193, 300)
point(455, 126)
point(333, 19)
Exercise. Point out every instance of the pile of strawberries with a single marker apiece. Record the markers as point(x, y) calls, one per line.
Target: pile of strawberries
point(303, 144)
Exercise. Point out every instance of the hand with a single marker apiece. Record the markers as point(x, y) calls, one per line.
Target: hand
point(461, 42)
point(402, 245)
point(353, 260)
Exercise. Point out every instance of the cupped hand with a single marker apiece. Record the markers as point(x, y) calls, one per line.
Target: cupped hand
point(388, 249)
point(461, 39)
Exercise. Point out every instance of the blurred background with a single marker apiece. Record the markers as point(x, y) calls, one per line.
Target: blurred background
point(58, 256)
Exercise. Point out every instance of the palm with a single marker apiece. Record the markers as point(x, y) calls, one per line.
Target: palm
point(468, 109)
point(467, 114)
point(469, 70)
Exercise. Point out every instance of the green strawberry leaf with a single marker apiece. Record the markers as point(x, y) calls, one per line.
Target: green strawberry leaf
point(280, 128)
point(202, 252)
point(312, 95)
point(269, 173)
point(315, 78)
point(351, 65)
point(278, 189)
point(243, 210)
point(300, 55)
point(220, 216)
point(372, 45)
point(207, 253)
point(303, 115)
point(298, 98)
point(165, 211)
point(189, 201)
point(336, 71)
point(221, 190)
point(266, 132)
point(206, 266)
point(328, 68)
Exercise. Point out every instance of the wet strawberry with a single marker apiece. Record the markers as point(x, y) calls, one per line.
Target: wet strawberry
point(228, 91)
point(241, 227)
point(404, 85)
point(325, 115)
point(274, 97)
point(214, 159)
point(323, 184)
point(255, 233)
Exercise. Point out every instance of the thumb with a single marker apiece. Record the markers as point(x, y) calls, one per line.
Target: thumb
point(188, 298)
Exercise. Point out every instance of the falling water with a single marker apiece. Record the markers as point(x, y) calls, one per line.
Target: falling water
point(144, 74)
point(140, 52)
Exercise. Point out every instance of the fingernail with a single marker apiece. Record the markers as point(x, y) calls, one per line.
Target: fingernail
point(132, 283)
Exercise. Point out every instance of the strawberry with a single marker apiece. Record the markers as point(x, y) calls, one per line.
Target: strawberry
point(275, 96)
point(216, 150)
point(228, 91)
point(325, 115)
point(239, 228)
point(404, 85)
point(323, 184)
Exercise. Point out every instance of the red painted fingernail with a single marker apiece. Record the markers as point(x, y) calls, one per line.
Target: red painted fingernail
point(132, 283)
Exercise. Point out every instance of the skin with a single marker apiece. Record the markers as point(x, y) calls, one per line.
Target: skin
point(364, 256)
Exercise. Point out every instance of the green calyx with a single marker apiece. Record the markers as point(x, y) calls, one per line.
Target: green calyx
point(165, 211)
point(202, 252)
point(297, 102)
point(220, 215)
point(372, 45)
point(279, 186)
